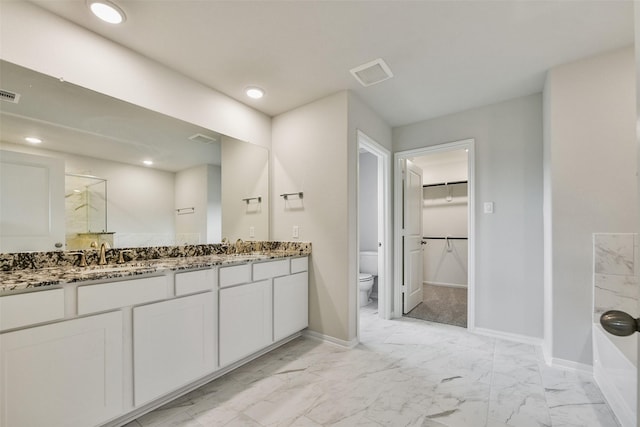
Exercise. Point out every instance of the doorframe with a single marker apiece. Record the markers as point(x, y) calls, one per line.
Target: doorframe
point(384, 223)
point(468, 144)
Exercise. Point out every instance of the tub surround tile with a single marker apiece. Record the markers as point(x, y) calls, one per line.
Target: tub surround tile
point(614, 253)
point(615, 293)
point(614, 273)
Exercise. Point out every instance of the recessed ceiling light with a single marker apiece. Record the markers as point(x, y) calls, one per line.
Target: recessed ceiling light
point(107, 11)
point(33, 140)
point(147, 162)
point(254, 92)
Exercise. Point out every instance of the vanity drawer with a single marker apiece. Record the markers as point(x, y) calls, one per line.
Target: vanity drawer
point(30, 308)
point(191, 282)
point(108, 296)
point(299, 265)
point(235, 275)
point(266, 270)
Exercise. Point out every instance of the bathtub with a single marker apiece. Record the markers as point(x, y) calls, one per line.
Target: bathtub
point(615, 372)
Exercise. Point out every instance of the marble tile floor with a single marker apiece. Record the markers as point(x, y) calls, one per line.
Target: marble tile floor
point(405, 372)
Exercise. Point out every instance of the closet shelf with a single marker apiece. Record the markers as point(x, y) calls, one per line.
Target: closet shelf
point(444, 183)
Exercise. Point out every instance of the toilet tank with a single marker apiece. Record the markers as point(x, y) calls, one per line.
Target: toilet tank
point(369, 262)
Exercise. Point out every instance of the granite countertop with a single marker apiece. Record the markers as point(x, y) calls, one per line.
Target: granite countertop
point(26, 279)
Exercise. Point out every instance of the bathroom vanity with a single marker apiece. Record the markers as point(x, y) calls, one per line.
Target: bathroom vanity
point(102, 345)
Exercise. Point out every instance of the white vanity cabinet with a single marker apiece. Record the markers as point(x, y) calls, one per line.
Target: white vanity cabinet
point(256, 314)
point(174, 344)
point(290, 304)
point(62, 374)
point(245, 320)
point(95, 353)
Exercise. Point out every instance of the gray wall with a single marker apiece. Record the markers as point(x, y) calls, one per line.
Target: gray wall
point(590, 156)
point(509, 265)
point(315, 150)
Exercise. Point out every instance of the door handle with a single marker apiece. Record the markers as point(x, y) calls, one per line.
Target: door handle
point(619, 323)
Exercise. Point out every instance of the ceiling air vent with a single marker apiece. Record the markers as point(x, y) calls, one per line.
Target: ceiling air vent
point(372, 72)
point(12, 97)
point(204, 139)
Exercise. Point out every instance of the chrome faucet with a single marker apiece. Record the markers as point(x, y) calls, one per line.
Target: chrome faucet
point(102, 254)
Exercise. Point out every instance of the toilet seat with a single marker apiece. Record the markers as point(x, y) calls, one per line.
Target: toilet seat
point(363, 277)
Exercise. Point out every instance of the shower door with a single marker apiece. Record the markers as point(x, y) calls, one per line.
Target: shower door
point(31, 202)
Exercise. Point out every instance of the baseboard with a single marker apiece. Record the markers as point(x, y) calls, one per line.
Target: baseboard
point(570, 365)
point(524, 339)
point(329, 339)
point(446, 285)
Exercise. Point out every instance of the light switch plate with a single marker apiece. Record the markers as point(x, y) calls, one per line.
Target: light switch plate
point(296, 232)
point(252, 231)
point(488, 207)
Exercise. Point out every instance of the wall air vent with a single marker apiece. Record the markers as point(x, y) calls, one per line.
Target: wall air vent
point(204, 139)
point(372, 72)
point(7, 96)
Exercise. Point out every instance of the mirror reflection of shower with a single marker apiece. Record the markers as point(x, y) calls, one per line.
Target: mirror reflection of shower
point(86, 211)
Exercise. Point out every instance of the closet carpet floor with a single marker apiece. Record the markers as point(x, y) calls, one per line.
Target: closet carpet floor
point(442, 304)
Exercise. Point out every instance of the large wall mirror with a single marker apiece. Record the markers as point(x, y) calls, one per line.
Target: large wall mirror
point(107, 170)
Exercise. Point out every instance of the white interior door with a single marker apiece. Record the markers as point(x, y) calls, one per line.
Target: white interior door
point(412, 236)
point(31, 203)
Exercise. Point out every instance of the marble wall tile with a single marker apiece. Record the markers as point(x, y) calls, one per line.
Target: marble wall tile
point(614, 253)
point(615, 293)
point(615, 277)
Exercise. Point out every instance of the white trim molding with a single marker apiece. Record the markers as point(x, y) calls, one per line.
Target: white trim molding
point(524, 339)
point(316, 336)
point(385, 287)
point(465, 144)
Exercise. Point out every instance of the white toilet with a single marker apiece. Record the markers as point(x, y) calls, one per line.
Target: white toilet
point(368, 269)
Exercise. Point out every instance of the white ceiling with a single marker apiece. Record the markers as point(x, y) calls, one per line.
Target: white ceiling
point(446, 56)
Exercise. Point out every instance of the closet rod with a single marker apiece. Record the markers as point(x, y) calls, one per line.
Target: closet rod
point(444, 183)
point(444, 238)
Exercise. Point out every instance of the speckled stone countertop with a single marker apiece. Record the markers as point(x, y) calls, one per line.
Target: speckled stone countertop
point(145, 261)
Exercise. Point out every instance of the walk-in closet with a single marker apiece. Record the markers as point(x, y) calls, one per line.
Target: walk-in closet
point(445, 212)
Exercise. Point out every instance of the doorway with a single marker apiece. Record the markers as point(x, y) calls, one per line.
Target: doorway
point(374, 229)
point(434, 234)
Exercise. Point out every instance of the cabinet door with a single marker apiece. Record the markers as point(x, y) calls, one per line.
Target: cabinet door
point(173, 344)
point(63, 374)
point(31, 202)
point(246, 322)
point(290, 304)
